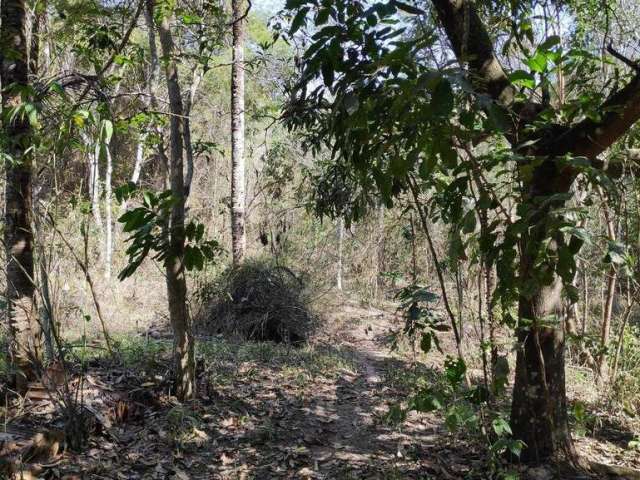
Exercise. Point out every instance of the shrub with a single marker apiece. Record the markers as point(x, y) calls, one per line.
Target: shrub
point(257, 301)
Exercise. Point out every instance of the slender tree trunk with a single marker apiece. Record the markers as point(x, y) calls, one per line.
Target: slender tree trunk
point(25, 333)
point(481, 321)
point(195, 83)
point(152, 85)
point(47, 321)
point(94, 181)
point(380, 263)
point(607, 311)
point(137, 168)
point(340, 233)
point(631, 299)
point(585, 305)
point(238, 236)
point(108, 237)
point(175, 271)
point(414, 253)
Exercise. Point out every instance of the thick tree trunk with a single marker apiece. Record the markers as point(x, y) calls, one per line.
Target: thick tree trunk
point(25, 342)
point(539, 407)
point(238, 236)
point(176, 282)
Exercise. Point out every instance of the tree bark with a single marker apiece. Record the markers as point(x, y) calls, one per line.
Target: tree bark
point(176, 282)
point(238, 236)
point(25, 333)
point(539, 405)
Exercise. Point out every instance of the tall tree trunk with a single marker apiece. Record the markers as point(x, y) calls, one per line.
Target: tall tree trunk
point(94, 181)
point(195, 83)
point(340, 233)
point(176, 282)
point(108, 237)
point(414, 252)
point(380, 260)
point(238, 236)
point(25, 333)
point(152, 85)
point(607, 311)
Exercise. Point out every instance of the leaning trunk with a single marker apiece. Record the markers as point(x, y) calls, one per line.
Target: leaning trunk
point(25, 343)
point(175, 270)
point(238, 237)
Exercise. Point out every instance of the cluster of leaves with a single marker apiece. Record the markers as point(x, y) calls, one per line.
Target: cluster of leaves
point(421, 318)
point(150, 232)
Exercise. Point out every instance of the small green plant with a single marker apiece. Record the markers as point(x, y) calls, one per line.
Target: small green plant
point(421, 318)
point(148, 226)
point(465, 409)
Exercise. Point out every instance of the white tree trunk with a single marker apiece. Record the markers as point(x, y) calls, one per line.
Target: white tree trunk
point(108, 239)
point(137, 168)
point(94, 180)
point(238, 235)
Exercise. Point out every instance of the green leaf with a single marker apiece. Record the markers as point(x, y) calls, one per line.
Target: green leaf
point(327, 73)
point(299, 20)
point(501, 427)
point(351, 103)
point(323, 16)
point(425, 342)
point(616, 253)
point(405, 7)
point(538, 62)
point(522, 79)
point(469, 222)
point(550, 42)
point(442, 99)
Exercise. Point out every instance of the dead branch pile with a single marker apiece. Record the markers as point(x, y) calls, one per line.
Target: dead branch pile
point(257, 301)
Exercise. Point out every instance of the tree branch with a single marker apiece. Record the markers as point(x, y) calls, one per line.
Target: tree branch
point(590, 138)
point(472, 45)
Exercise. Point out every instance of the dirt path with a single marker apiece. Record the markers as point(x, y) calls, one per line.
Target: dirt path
point(361, 443)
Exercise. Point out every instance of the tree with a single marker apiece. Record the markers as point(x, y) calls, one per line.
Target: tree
point(238, 201)
point(25, 347)
point(539, 406)
point(377, 97)
point(174, 261)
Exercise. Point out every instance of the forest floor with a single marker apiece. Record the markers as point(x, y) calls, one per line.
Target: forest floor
point(264, 411)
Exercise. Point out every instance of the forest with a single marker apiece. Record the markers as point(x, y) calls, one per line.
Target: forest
point(320, 239)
